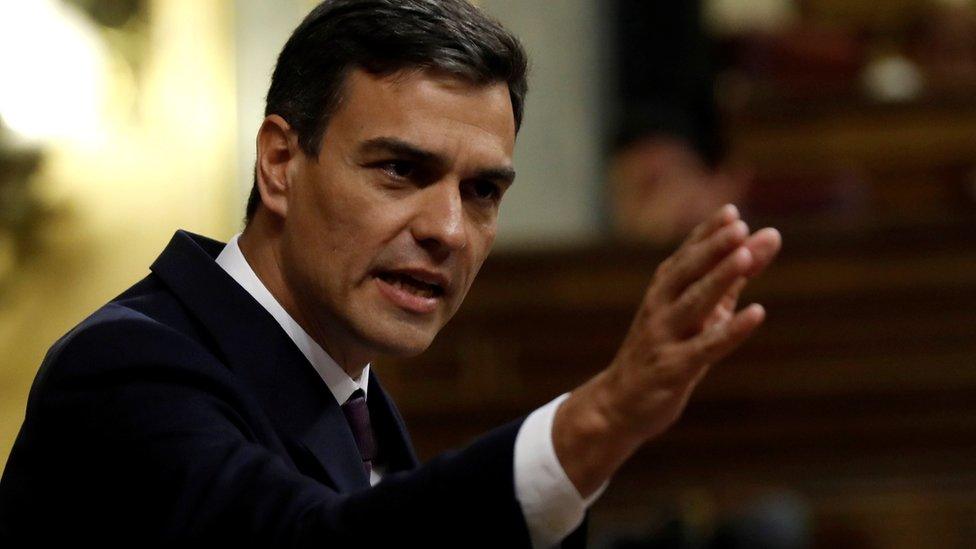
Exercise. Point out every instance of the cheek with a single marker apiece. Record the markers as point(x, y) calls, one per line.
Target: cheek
point(336, 213)
point(483, 241)
point(478, 248)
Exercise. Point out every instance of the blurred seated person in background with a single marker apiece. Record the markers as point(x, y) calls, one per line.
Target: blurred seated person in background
point(662, 175)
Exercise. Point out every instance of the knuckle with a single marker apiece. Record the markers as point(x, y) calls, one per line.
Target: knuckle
point(710, 343)
point(712, 346)
point(727, 237)
point(644, 317)
point(664, 267)
point(692, 301)
point(652, 296)
point(681, 310)
point(680, 270)
point(667, 371)
point(696, 291)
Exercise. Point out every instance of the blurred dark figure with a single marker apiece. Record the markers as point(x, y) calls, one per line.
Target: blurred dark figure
point(778, 520)
point(663, 175)
point(21, 211)
point(775, 520)
point(665, 75)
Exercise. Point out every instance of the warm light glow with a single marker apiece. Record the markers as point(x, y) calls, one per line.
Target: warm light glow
point(53, 69)
point(725, 17)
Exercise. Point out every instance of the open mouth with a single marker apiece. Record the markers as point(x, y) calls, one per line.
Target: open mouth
point(407, 283)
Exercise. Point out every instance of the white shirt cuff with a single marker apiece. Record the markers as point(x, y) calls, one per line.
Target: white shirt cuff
point(552, 506)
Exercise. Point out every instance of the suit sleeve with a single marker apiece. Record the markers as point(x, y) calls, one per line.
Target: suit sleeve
point(121, 445)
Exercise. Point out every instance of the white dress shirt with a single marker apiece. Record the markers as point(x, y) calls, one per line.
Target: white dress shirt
point(552, 506)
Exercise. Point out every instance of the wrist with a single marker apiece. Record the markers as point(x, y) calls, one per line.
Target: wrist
point(589, 436)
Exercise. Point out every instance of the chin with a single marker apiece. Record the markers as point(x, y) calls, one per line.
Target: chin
point(402, 341)
point(402, 349)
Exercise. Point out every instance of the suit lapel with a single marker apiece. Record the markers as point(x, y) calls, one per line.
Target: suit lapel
point(252, 344)
point(394, 442)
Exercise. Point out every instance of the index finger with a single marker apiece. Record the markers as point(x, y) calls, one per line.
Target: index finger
point(722, 217)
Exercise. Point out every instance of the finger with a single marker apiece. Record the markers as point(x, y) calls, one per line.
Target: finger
point(764, 245)
point(701, 298)
point(719, 341)
point(688, 265)
point(726, 307)
point(722, 217)
point(731, 298)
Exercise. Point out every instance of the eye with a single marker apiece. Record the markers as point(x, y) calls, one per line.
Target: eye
point(399, 169)
point(485, 190)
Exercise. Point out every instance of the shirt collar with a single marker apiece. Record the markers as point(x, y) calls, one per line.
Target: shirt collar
point(232, 260)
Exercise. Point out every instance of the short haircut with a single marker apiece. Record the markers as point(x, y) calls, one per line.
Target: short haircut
point(383, 37)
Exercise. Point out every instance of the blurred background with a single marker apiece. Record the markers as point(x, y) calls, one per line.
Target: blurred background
point(849, 421)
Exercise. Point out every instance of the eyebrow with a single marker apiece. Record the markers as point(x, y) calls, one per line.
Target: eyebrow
point(409, 151)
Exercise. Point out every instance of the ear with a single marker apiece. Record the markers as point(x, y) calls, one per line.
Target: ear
point(277, 148)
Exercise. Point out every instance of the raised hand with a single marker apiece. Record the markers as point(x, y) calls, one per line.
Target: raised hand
point(686, 322)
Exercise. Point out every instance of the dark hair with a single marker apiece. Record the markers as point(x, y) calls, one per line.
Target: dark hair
point(383, 37)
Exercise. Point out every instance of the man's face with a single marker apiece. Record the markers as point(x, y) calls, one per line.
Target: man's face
point(387, 228)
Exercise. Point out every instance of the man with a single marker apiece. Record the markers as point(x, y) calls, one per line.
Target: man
point(665, 172)
point(221, 399)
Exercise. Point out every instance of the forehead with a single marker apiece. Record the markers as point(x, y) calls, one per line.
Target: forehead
point(437, 111)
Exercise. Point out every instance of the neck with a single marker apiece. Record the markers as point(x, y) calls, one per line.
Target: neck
point(259, 245)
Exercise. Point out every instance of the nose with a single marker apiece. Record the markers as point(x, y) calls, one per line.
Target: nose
point(438, 225)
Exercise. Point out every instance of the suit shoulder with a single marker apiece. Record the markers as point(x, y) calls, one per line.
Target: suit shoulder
point(117, 331)
point(118, 340)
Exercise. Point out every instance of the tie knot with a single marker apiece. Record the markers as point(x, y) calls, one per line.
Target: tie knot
point(357, 414)
point(358, 396)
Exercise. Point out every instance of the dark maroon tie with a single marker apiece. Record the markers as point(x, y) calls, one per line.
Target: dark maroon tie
point(357, 414)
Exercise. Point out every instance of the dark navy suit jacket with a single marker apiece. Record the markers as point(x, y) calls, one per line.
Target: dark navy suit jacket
point(181, 414)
